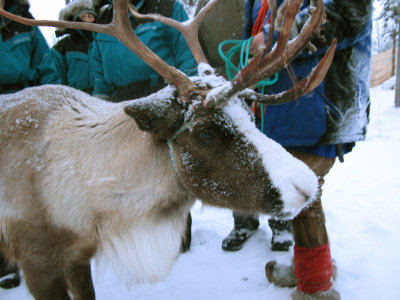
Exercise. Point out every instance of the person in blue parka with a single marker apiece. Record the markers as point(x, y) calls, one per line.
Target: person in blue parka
point(119, 73)
point(71, 52)
point(26, 59)
point(317, 128)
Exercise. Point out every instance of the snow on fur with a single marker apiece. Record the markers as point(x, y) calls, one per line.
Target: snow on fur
point(286, 173)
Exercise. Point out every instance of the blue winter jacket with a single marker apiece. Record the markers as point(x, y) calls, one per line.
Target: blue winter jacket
point(336, 112)
point(26, 59)
point(72, 60)
point(116, 66)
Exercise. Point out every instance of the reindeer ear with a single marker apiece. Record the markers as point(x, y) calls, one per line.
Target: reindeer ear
point(160, 117)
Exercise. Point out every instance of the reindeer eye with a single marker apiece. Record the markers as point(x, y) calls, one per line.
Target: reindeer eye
point(206, 135)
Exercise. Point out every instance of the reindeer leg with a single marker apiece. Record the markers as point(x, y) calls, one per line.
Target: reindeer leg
point(187, 237)
point(43, 252)
point(44, 281)
point(80, 282)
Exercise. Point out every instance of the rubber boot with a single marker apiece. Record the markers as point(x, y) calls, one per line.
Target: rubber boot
point(244, 227)
point(282, 234)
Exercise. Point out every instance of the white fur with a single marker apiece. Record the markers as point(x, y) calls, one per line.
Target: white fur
point(145, 252)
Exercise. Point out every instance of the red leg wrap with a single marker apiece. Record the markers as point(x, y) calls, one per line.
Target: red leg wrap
point(313, 268)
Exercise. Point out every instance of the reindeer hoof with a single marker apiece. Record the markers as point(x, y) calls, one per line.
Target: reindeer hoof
point(330, 294)
point(280, 275)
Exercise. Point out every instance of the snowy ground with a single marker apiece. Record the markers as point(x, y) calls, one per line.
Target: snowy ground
point(362, 205)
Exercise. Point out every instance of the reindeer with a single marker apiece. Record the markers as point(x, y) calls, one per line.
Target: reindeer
point(80, 176)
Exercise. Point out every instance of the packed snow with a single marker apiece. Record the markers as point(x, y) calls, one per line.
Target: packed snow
point(362, 207)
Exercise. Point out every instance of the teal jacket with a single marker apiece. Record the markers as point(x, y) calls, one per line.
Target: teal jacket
point(72, 60)
point(116, 66)
point(26, 59)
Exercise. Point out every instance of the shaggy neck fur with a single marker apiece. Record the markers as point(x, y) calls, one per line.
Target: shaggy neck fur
point(143, 238)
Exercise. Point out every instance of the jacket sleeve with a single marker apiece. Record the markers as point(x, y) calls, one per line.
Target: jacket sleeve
point(61, 65)
point(101, 89)
point(184, 59)
point(42, 60)
point(346, 21)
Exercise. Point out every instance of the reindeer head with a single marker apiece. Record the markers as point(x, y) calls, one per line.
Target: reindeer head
point(218, 154)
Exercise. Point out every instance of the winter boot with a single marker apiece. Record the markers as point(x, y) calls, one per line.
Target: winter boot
point(282, 236)
point(245, 226)
point(330, 294)
point(9, 274)
point(284, 275)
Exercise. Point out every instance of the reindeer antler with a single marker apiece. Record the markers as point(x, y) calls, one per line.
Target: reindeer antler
point(122, 30)
point(265, 65)
point(301, 88)
point(189, 29)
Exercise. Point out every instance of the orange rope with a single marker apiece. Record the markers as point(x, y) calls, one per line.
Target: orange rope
point(258, 24)
point(260, 18)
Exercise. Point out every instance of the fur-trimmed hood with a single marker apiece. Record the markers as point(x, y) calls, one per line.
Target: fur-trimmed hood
point(72, 10)
point(99, 3)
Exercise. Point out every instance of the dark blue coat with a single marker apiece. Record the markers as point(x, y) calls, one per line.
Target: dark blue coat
point(336, 112)
point(26, 59)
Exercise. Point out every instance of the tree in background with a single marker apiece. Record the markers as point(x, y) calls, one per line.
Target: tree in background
point(391, 23)
point(397, 94)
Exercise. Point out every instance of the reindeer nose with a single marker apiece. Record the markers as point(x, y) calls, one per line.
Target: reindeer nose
point(300, 199)
point(287, 205)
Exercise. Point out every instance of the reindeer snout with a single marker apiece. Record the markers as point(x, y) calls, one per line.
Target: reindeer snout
point(286, 200)
point(299, 198)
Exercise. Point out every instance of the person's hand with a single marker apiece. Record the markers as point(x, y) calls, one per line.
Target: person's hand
point(257, 45)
